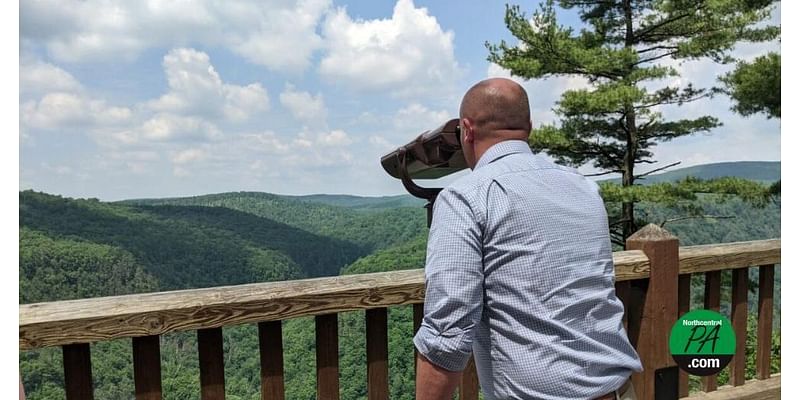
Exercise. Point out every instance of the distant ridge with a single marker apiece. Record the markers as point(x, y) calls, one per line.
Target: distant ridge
point(360, 202)
point(762, 171)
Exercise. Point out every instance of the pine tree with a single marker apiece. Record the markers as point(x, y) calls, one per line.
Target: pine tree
point(627, 47)
point(755, 87)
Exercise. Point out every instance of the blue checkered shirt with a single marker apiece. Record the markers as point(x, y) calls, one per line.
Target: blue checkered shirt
point(519, 272)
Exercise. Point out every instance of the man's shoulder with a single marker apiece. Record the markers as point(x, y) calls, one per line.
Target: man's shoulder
point(471, 182)
point(513, 163)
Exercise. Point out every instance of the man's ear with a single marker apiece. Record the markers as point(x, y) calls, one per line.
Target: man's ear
point(467, 131)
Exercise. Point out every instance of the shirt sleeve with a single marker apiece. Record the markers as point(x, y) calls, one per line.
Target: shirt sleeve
point(453, 284)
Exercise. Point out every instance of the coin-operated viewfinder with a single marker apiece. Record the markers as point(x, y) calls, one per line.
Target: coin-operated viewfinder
point(431, 155)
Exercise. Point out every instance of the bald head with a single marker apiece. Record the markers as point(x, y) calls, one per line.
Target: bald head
point(497, 107)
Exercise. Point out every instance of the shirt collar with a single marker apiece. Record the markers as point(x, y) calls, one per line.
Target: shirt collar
point(503, 149)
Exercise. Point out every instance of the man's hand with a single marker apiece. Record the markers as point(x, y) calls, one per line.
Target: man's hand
point(434, 382)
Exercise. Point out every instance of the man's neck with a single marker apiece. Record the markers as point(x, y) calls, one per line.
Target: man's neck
point(481, 152)
point(483, 146)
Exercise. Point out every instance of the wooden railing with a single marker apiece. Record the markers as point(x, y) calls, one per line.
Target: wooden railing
point(652, 280)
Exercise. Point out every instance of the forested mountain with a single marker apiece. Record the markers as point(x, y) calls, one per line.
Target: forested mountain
point(75, 248)
point(761, 171)
point(372, 230)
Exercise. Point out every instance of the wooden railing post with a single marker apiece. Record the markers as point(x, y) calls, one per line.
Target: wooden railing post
point(684, 304)
point(147, 367)
point(766, 283)
point(377, 354)
point(711, 300)
point(78, 372)
point(659, 311)
point(270, 344)
point(212, 364)
point(739, 321)
point(327, 333)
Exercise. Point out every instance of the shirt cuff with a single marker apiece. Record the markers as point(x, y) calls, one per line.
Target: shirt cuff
point(450, 349)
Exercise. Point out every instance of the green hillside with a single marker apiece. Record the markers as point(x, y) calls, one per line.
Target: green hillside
point(372, 230)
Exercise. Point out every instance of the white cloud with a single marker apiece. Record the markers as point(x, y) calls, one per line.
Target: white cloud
point(197, 89)
point(336, 138)
point(408, 54)
point(381, 143)
point(38, 78)
point(165, 127)
point(253, 157)
point(266, 142)
point(67, 111)
point(54, 110)
point(280, 35)
point(196, 103)
point(302, 143)
point(415, 118)
point(305, 107)
point(188, 156)
point(284, 38)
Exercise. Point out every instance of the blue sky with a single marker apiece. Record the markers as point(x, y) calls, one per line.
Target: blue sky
point(155, 99)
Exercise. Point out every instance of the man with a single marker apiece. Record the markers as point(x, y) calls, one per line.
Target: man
point(519, 270)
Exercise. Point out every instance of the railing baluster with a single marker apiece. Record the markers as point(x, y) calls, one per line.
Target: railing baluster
point(711, 302)
point(377, 354)
point(739, 321)
point(147, 367)
point(766, 282)
point(78, 371)
point(270, 343)
point(684, 301)
point(469, 388)
point(327, 331)
point(212, 364)
point(418, 312)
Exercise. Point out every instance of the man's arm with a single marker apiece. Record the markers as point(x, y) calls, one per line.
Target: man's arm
point(453, 296)
point(433, 382)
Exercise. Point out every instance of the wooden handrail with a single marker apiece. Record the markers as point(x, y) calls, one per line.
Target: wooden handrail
point(106, 318)
point(716, 257)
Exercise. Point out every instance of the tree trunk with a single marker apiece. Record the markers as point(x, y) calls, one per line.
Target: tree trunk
point(629, 225)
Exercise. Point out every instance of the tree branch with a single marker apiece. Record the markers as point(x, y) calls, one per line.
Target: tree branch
point(639, 35)
point(656, 57)
point(661, 103)
point(660, 47)
point(656, 170)
point(696, 216)
point(613, 171)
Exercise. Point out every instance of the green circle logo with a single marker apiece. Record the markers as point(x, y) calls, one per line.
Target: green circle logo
point(702, 342)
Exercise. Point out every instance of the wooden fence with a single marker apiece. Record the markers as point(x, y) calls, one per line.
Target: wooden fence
point(652, 279)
